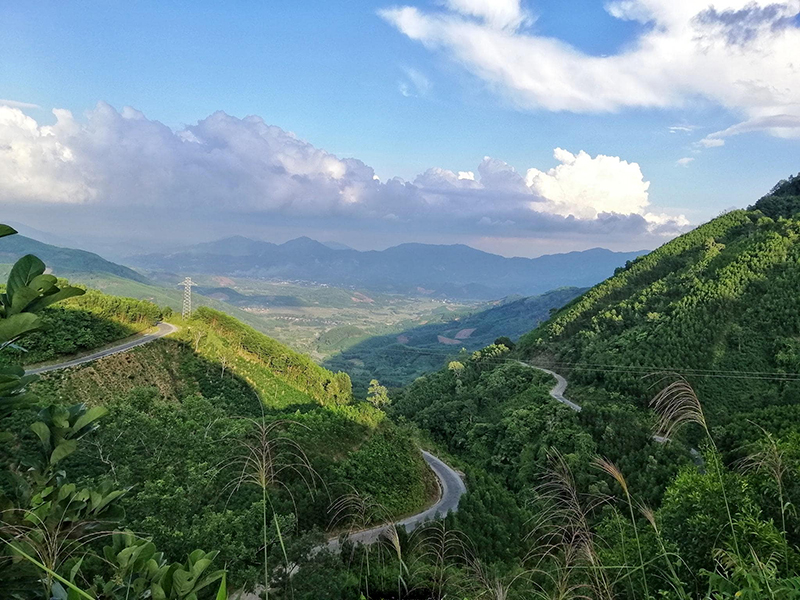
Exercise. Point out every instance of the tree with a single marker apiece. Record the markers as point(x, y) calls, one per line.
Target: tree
point(505, 341)
point(378, 395)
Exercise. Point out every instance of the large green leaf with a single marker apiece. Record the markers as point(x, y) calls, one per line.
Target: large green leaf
point(24, 271)
point(6, 230)
point(21, 299)
point(63, 450)
point(89, 416)
point(43, 283)
point(17, 325)
point(42, 431)
point(222, 594)
point(62, 294)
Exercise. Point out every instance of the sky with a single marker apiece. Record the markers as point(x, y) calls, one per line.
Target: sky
point(521, 127)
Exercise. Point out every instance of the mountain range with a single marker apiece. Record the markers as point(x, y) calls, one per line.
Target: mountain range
point(64, 262)
point(452, 271)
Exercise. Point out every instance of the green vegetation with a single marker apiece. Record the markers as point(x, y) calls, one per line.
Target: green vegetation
point(400, 357)
point(676, 486)
point(65, 262)
point(178, 418)
point(81, 324)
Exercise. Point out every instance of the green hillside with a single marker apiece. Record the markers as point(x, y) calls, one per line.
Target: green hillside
point(181, 412)
point(82, 324)
point(65, 262)
point(718, 305)
point(590, 501)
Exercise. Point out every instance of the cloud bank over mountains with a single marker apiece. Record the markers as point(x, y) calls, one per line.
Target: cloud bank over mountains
point(229, 166)
point(738, 54)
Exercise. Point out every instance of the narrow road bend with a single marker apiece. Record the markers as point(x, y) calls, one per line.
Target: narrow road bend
point(451, 488)
point(162, 330)
point(450, 483)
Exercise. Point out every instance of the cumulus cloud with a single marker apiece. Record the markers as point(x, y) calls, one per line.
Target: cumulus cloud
point(224, 166)
point(685, 161)
point(739, 54)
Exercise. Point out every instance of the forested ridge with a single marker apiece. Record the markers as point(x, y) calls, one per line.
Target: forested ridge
point(718, 303)
point(695, 342)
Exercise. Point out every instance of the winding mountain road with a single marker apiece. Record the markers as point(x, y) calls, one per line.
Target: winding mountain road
point(161, 330)
point(451, 488)
point(557, 392)
point(451, 485)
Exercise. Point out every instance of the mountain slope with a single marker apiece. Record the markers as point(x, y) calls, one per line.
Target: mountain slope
point(718, 304)
point(455, 271)
point(184, 411)
point(64, 262)
point(398, 359)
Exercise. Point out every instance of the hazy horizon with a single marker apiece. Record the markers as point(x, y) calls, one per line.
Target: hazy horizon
point(518, 127)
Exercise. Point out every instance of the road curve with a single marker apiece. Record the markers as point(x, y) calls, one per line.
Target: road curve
point(451, 488)
point(451, 485)
point(557, 392)
point(162, 330)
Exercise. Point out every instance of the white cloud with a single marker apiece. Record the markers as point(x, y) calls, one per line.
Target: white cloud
point(778, 125)
point(685, 161)
point(682, 129)
point(16, 104)
point(500, 14)
point(416, 83)
point(739, 54)
point(586, 187)
point(224, 166)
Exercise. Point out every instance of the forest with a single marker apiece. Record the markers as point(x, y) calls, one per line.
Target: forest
point(218, 460)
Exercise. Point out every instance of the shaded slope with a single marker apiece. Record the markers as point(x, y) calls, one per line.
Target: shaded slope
point(398, 359)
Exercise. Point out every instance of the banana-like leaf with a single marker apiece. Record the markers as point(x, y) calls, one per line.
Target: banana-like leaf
point(43, 283)
point(25, 270)
point(42, 431)
point(91, 415)
point(222, 594)
point(63, 450)
point(6, 230)
point(62, 294)
point(17, 325)
point(21, 299)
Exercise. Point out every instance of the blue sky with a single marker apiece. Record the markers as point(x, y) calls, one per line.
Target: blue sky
point(355, 80)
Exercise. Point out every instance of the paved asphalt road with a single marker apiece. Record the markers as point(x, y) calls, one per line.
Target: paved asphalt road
point(163, 329)
point(450, 483)
point(558, 389)
point(452, 488)
point(558, 393)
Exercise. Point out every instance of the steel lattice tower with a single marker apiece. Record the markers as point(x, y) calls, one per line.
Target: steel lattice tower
point(187, 297)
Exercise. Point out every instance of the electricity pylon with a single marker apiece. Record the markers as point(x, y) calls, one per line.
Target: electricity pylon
point(187, 297)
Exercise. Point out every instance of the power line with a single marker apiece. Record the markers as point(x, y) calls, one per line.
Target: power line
point(631, 369)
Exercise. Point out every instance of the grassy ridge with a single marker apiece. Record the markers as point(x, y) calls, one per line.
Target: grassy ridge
point(179, 411)
point(299, 370)
point(82, 324)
